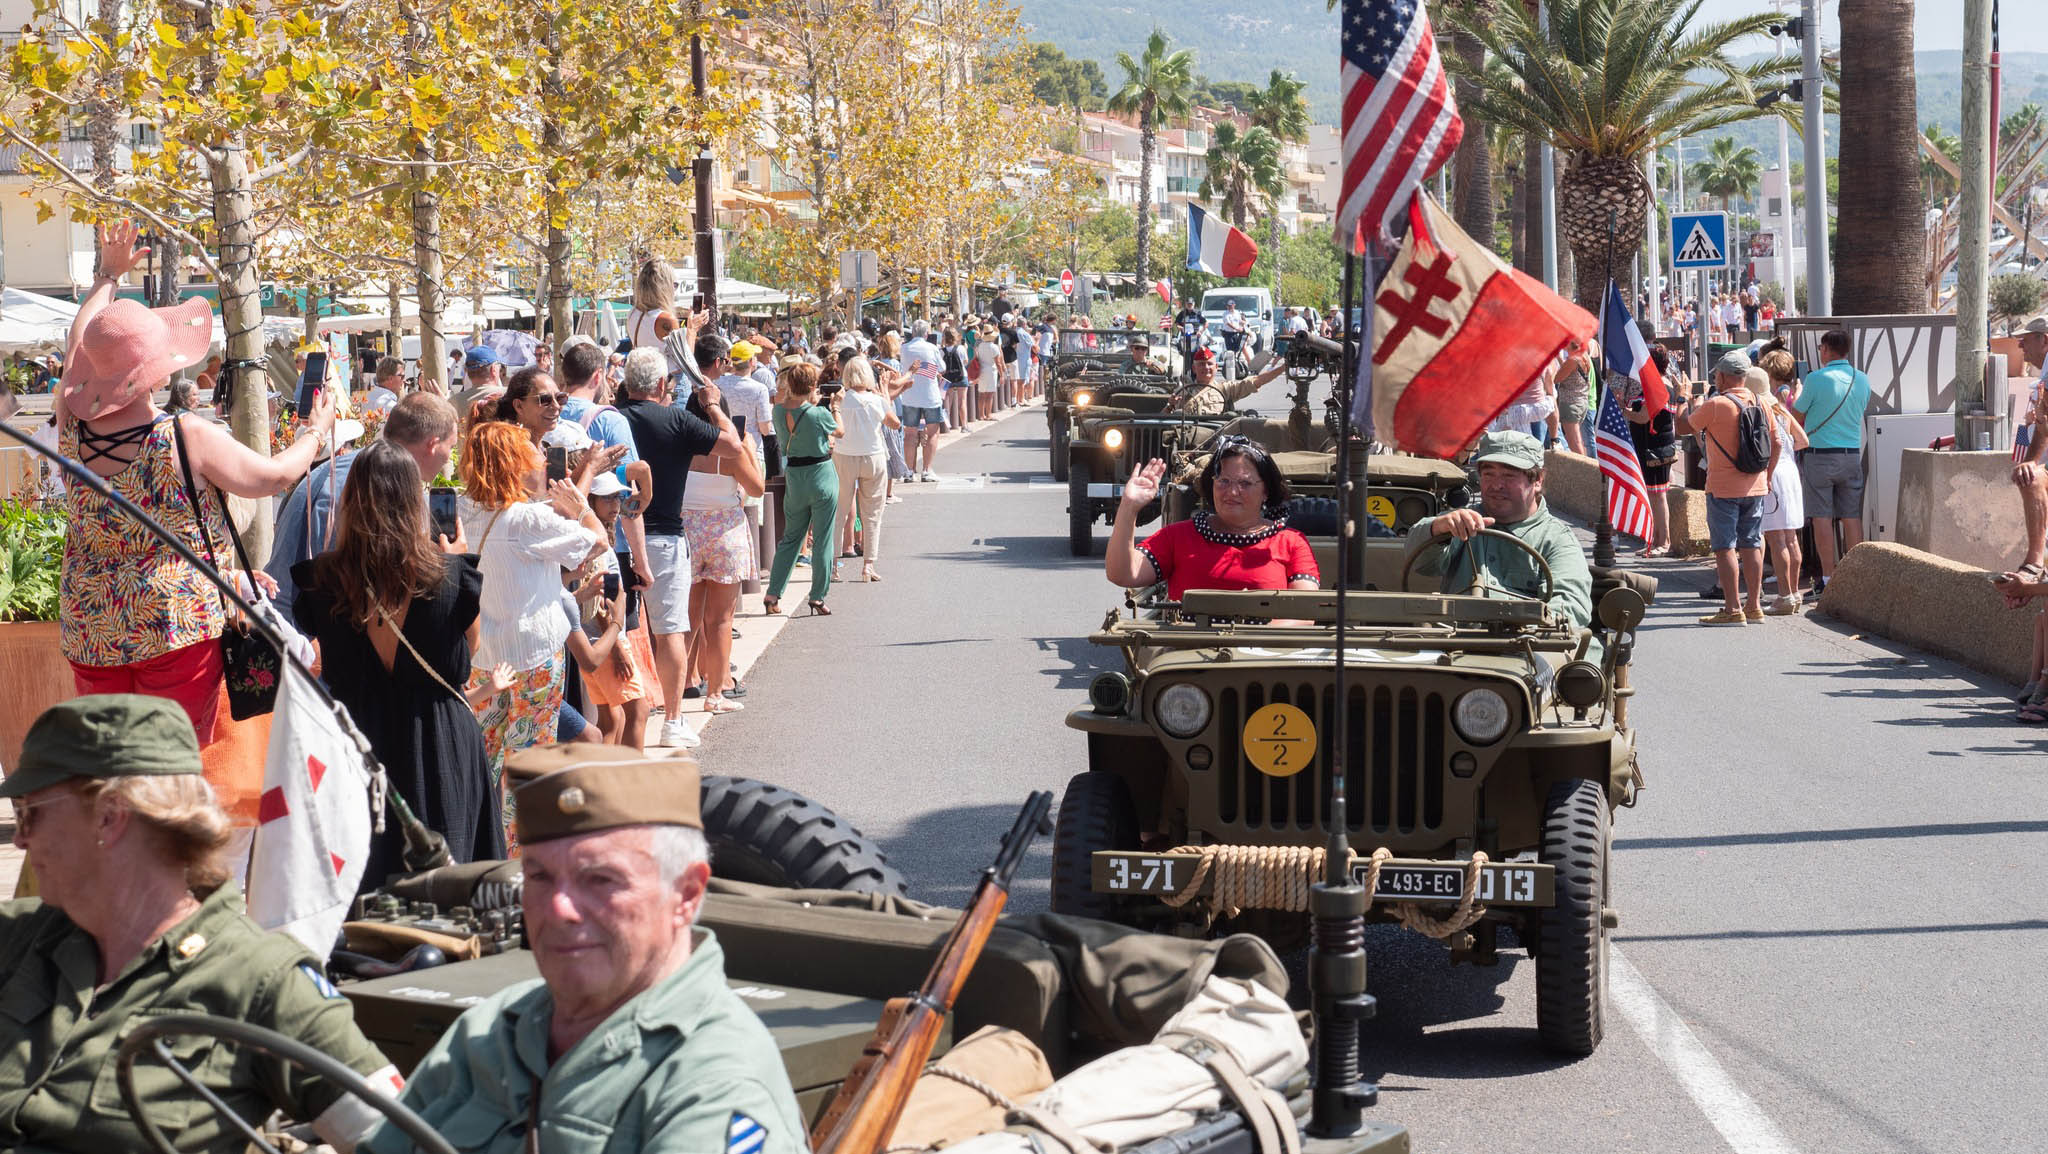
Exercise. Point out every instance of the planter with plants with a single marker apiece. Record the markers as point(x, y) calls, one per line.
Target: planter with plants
point(32, 664)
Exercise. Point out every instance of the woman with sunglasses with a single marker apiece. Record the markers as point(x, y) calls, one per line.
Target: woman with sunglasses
point(1238, 539)
point(533, 401)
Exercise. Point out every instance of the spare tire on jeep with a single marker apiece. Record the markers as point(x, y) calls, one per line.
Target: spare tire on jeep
point(768, 835)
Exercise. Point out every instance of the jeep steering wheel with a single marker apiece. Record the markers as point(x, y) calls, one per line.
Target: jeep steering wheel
point(150, 1034)
point(1542, 566)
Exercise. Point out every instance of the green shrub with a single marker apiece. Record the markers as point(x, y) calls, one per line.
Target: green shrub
point(31, 557)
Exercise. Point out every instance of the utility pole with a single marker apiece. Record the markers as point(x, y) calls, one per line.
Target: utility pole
point(1819, 293)
point(700, 176)
point(1546, 182)
point(1973, 234)
point(1653, 246)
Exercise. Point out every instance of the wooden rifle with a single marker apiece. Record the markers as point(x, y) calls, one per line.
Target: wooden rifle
point(865, 1111)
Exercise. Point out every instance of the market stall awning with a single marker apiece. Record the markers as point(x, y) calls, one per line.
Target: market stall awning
point(31, 322)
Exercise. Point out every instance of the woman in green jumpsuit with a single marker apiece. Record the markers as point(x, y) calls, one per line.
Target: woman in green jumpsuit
point(810, 495)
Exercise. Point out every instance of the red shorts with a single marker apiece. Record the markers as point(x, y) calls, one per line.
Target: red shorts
point(190, 676)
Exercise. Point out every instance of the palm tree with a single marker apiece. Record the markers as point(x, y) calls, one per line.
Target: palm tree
point(1473, 198)
point(1242, 165)
point(1728, 173)
point(1885, 271)
point(1281, 110)
point(1935, 181)
point(1610, 79)
point(1157, 86)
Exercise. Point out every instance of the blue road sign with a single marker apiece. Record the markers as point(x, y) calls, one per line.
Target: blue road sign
point(1700, 240)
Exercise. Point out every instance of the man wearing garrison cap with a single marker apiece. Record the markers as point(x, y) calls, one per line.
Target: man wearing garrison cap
point(631, 1040)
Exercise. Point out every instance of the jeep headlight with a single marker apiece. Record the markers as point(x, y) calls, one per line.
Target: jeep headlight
point(1083, 399)
point(1482, 716)
point(1183, 710)
point(1114, 439)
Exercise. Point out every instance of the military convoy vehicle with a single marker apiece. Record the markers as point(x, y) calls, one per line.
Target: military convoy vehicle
point(1087, 366)
point(1485, 748)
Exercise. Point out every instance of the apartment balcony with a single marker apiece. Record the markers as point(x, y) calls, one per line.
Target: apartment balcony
point(1183, 184)
point(75, 155)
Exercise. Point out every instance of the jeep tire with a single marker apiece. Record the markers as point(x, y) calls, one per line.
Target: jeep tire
point(1571, 941)
point(1095, 813)
point(1059, 435)
point(768, 835)
point(1080, 509)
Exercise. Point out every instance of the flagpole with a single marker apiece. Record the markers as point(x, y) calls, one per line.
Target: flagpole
point(1336, 857)
point(1603, 534)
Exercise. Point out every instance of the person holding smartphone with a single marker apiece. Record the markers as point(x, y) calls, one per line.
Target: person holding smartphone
point(721, 551)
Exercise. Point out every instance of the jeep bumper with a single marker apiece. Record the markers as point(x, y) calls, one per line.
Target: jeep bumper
point(1517, 884)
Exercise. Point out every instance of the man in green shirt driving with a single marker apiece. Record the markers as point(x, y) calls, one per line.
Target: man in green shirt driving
point(1510, 465)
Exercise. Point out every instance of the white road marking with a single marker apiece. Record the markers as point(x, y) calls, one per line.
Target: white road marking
point(1742, 1123)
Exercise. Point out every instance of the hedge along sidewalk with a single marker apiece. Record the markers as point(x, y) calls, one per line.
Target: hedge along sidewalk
point(758, 629)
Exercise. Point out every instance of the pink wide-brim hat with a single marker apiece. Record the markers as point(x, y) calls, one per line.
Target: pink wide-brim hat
point(128, 347)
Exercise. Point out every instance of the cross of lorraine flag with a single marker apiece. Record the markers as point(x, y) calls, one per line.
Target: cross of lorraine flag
point(1458, 335)
point(313, 820)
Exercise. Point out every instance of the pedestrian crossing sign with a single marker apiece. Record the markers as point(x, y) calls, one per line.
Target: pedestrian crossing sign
point(1699, 240)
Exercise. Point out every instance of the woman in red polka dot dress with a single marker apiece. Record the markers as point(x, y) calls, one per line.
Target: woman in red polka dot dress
point(1239, 539)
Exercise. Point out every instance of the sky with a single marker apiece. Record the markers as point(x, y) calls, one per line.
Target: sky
point(1937, 24)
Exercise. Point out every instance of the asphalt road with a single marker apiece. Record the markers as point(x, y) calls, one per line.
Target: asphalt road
point(1832, 927)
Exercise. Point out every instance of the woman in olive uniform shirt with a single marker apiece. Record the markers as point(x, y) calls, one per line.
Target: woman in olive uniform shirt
point(137, 919)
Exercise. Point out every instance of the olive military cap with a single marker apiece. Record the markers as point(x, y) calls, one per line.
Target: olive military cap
point(567, 789)
point(1510, 447)
point(104, 735)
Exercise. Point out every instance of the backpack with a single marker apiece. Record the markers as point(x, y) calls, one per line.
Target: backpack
point(1752, 439)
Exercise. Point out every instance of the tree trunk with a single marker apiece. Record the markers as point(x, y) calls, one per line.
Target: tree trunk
point(1602, 210)
point(1518, 217)
point(426, 242)
point(1273, 239)
point(1885, 269)
point(1532, 207)
point(1144, 194)
point(553, 144)
point(1474, 210)
point(241, 313)
point(394, 333)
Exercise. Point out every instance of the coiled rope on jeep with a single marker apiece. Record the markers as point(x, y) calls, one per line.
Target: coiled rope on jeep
point(1279, 877)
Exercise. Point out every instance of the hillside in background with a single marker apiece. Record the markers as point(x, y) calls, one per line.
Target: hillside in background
point(1235, 41)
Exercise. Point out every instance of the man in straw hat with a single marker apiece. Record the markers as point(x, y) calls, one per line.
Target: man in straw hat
point(631, 1040)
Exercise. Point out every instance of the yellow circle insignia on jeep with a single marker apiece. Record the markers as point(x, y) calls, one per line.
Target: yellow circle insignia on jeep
point(1280, 740)
point(1380, 508)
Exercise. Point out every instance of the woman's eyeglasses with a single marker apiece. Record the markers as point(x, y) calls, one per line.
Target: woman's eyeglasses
point(25, 811)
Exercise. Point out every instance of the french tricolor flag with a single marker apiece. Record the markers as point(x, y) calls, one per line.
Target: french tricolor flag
point(1621, 343)
point(1216, 248)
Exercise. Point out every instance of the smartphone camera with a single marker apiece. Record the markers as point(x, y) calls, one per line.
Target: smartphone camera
point(558, 463)
point(441, 511)
point(611, 586)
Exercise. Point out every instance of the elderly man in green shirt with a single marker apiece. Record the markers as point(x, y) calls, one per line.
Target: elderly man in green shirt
point(1510, 465)
point(630, 1041)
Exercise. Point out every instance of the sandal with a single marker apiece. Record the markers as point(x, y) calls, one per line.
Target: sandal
point(2027, 692)
point(2032, 715)
point(818, 609)
point(870, 576)
point(771, 606)
point(721, 705)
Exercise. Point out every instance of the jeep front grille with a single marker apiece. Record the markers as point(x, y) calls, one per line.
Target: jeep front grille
point(1143, 443)
point(1396, 760)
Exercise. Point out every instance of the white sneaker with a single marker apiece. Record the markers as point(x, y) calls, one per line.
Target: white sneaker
point(928, 476)
point(678, 735)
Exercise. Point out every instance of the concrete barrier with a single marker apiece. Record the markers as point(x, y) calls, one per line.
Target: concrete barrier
point(1932, 603)
point(1961, 506)
point(1572, 484)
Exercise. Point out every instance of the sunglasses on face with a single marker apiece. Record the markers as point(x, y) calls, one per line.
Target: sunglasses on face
point(551, 400)
point(25, 812)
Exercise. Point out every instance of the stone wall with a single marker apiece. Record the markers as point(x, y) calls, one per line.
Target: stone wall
point(1572, 485)
point(1961, 506)
point(1932, 603)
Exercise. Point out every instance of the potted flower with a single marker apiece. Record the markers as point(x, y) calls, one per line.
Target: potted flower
point(32, 664)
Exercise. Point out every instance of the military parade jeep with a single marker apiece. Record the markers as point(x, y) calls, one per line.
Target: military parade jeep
point(1087, 366)
point(1112, 438)
point(1485, 748)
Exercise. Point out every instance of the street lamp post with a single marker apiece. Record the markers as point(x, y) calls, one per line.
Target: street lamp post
point(1973, 231)
point(1818, 292)
point(700, 175)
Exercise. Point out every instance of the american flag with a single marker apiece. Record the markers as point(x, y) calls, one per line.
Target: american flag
point(1628, 498)
point(1400, 122)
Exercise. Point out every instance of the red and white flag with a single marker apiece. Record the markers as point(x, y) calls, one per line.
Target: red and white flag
point(1628, 498)
point(313, 821)
point(1218, 248)
point(1400, 121)
point(1456, 334)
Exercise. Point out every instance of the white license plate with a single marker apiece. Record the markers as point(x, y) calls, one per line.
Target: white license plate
point(1498, 884)
point(1104, 489)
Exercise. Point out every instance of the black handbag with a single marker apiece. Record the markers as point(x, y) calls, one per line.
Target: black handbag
point(251, 664)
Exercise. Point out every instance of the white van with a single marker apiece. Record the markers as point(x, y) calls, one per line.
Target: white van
point(1255, 304)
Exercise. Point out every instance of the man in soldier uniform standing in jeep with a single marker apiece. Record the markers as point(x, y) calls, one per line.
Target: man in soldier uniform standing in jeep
point(1510, 465)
